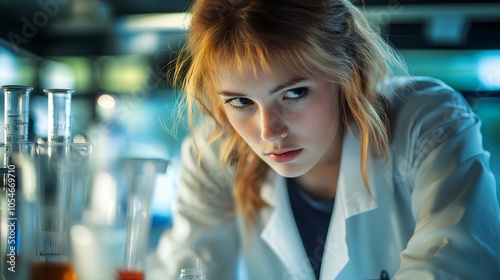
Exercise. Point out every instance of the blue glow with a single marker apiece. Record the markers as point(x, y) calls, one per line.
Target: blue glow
point(489, 70)
point(8, 68)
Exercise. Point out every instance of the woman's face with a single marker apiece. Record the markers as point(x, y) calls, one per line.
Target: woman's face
point(289, 121)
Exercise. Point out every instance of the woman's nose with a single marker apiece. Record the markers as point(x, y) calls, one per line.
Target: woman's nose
point(274, 126)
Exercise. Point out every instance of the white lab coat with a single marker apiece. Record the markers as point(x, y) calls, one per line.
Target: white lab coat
point(434, 214)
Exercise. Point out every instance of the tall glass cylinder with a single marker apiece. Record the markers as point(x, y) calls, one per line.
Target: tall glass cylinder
point(63, 172)
point(64, 177)
point(16, 153)
point(59, 111)
point(139, 176)
point(117, 220)
point(18, 178)
point(16, 113)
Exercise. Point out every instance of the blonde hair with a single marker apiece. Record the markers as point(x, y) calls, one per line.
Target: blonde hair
point(329, 37)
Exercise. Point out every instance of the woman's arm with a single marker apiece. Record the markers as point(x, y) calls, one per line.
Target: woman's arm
point(457, 235)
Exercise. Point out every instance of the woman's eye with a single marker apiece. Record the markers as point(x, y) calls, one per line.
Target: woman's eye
point(296, 93)
point(238, 102)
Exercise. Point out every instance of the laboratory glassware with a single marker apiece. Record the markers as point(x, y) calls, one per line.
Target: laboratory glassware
point(140, 177)
point(192, 273)
point(59, 113)
point(63, 179)
point(18, 177)
point(16, 113)
point(119, 212)
point(16, 152)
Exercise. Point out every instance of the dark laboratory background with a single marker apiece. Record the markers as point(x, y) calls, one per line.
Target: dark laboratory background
point(114, 54)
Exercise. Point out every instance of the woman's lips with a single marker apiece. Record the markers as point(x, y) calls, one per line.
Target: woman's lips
point(286, 156)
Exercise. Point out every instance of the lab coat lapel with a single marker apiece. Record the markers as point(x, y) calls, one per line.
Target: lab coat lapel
point(280, 231)
point(351, 199)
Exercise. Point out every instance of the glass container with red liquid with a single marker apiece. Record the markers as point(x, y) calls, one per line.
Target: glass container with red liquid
point(129, 275)
point(117, 221)
point(52, 271)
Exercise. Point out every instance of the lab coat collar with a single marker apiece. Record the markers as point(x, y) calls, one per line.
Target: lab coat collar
point(351, 190)
point(351, 199)
point(280, 231)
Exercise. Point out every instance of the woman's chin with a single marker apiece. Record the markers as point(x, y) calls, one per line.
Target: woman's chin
point(289, 171)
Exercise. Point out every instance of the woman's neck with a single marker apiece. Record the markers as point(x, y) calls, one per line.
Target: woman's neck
point(321, 181)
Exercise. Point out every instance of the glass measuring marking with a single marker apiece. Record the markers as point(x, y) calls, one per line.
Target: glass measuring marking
point(59, 111)
point(16, 113)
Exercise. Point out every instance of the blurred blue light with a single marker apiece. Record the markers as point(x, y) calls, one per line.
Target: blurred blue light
point(8, 68)
point(489, 70)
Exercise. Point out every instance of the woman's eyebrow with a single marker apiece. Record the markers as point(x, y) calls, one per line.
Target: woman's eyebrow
point(288, 84)
point(229, 93)
point(278, 88)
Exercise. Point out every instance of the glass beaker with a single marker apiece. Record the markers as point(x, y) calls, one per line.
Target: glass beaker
point(63, 179)
point(119, 212)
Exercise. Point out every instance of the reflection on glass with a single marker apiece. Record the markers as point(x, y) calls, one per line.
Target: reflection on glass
point(59, 112)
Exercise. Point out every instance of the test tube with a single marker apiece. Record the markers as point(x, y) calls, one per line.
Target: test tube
point(16, 113)
point(57, 183)
point(16, 121)
point(59, 115)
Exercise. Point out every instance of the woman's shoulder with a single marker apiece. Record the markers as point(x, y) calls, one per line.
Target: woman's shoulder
point(424, 101)
point(425, 115)
point(405, 92)
point(424, 108)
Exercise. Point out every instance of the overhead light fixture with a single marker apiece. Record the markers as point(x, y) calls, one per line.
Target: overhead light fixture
point(169, 22)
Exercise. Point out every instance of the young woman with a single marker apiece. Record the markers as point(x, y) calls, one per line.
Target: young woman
point(316, 161)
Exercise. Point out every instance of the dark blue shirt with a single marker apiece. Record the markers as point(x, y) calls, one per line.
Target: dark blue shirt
point(312, 218)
